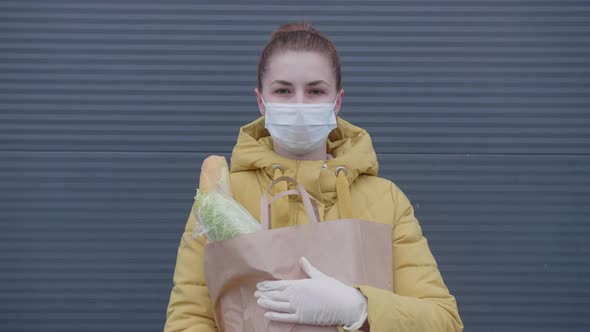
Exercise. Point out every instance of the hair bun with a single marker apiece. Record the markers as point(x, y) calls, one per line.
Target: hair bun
point(293, 27)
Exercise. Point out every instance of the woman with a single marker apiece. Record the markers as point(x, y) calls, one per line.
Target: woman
point(299, 69)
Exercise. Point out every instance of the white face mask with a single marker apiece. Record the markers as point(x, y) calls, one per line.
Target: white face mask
point(299, 128)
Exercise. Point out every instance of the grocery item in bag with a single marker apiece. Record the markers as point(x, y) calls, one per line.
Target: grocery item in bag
point(218, 215)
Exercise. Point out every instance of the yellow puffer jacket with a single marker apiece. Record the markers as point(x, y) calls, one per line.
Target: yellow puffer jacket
point(420, 301)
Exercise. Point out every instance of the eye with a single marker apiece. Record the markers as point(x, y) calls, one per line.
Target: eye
point(278, 91)
point(317, 92)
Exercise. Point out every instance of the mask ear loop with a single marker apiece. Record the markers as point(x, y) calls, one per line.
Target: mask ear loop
point(263, 103)
point(334, 107)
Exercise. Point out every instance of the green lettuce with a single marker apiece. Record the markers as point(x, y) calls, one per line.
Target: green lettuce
point(220, 217)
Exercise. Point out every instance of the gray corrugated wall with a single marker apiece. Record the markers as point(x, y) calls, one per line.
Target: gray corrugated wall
point(479, 111)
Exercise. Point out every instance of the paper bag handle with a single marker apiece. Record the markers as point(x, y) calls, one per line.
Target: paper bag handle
point(312, 210)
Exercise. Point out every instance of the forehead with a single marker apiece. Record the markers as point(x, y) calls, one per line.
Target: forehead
point(299, 67)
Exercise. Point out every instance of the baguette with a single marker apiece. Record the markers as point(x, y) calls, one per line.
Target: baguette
point(215, 175)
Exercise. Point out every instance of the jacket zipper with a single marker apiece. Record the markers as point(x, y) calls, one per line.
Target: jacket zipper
point(295, 207)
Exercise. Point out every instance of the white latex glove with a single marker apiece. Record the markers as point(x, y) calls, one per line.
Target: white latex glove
point(319, 300)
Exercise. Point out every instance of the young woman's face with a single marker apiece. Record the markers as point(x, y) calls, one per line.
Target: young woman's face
point(299, 77)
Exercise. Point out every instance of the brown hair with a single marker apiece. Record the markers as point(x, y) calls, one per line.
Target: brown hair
point(299, 36)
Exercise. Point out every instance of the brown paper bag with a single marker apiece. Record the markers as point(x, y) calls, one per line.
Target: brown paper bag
point(350, 250)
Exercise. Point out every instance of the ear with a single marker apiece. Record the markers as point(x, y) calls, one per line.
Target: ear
point(259, 101)
point(339, 102)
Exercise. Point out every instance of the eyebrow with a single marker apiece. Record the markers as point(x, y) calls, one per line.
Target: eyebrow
point(312, 83)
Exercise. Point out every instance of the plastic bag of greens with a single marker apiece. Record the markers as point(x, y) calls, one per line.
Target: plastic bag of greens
point(220, 217)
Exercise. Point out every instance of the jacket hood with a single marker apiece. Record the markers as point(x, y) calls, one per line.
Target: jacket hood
point(348, 146)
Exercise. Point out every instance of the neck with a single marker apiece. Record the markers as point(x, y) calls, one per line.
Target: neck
point(319, 154)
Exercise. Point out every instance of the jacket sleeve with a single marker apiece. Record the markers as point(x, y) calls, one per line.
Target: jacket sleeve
point(421, 300)
point(189, 308)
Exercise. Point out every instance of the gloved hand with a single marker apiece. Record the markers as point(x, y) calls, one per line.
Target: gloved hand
point(319, 300)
